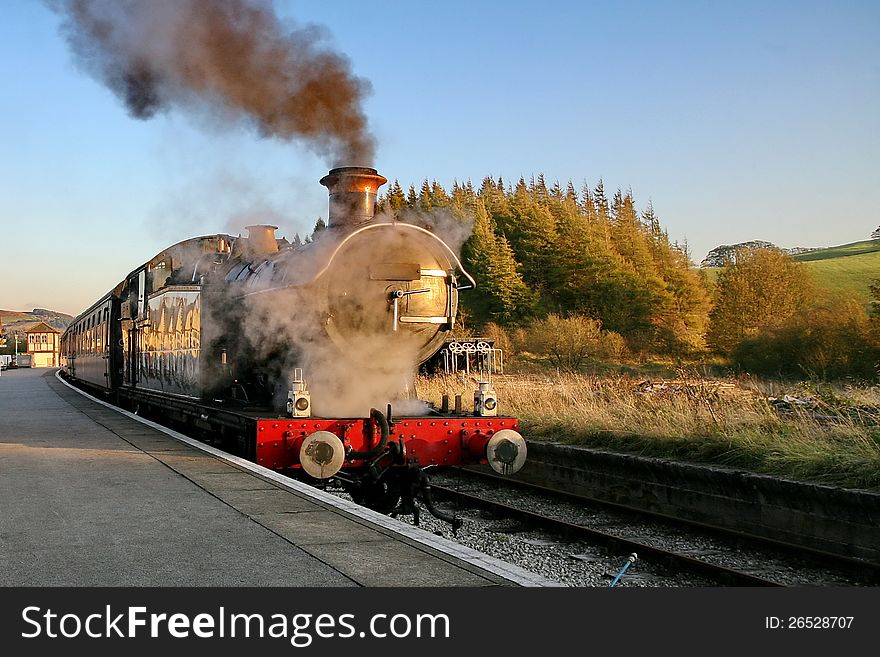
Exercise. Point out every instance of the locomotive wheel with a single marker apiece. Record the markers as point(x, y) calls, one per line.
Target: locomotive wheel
point(380, 496)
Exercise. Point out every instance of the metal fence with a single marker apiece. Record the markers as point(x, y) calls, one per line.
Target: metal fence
point(472, 355)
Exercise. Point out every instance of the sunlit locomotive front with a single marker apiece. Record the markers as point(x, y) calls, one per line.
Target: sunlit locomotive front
point(300, 356)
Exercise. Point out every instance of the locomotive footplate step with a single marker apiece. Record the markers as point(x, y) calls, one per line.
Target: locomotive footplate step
point(93, 497)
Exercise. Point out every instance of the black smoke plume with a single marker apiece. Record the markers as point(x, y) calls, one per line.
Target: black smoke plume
point(231, 55)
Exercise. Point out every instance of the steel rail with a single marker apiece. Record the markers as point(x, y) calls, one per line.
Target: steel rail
point(611, 541)
point(864, 570)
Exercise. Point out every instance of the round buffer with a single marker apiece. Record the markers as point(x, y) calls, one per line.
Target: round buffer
point(322, 454)
point(506, 451)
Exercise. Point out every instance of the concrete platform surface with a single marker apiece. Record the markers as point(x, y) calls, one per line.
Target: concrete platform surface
point(90, 497)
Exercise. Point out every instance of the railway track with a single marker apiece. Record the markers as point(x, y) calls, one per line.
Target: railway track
point(763, 575)
point(612, 542)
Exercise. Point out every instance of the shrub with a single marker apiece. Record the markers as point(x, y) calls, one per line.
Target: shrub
point(757, 293)
point(567, 342)
point(831, 340)
point(612, 346)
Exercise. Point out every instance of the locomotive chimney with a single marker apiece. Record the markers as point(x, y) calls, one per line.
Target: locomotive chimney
point(353, 193)
point(261, 239)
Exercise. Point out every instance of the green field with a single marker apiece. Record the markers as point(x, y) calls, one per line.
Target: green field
point(842, 251)
point(844, 270)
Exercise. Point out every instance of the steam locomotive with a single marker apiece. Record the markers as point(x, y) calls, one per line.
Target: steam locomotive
point(297, 355)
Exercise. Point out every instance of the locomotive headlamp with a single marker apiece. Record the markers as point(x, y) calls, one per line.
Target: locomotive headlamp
point(485, 400)
point(299, 400)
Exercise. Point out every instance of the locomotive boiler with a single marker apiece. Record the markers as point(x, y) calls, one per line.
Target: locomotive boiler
point(300, 356)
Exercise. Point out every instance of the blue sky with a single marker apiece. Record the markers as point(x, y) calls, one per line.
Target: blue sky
point(738, 120)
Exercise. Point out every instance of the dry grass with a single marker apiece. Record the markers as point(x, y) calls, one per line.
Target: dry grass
point(832, 439)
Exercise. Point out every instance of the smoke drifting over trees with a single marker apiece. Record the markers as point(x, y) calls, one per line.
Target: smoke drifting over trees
point(233, 58)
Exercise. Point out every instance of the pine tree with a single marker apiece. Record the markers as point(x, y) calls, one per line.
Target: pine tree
point(599, 199)
point(396, 197)
point(425, 200)
point(681, 324)
point(531, 229)
point(601, 211)
point(501, 295)
point(629, 237)
point(577, 263)
point(494, 198)
point(439, 197)
point(462, 196)
point(650, 220)
point(539, 189)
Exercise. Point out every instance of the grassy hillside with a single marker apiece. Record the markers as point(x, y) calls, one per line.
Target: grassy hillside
point(849, 275)
point(842, 251)
point(11, 316)
point(14, 320)
point(844, 270)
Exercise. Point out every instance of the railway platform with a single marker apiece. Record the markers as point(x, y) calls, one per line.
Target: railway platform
point(94, 496)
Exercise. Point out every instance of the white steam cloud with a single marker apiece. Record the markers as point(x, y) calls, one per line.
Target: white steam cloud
point(339, 328)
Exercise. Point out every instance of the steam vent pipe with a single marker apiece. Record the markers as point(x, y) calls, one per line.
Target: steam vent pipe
point(353, 193)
